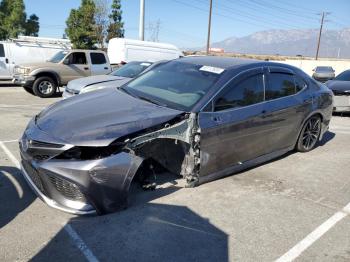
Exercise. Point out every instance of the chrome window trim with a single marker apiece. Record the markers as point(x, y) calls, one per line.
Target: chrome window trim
point(262, 102)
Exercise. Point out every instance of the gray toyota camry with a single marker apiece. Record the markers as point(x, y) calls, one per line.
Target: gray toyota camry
point(201, 118)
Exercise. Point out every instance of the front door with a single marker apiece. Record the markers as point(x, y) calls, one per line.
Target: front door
point(75, 66)
point(232, 127)
point(4, 64)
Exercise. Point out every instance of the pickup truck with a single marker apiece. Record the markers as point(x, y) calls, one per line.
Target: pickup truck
point(44, 79)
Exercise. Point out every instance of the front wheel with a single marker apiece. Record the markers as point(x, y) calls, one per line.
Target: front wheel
point(44, 87)
point(309, 134)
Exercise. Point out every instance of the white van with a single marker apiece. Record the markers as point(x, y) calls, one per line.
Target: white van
point(121, 50)
point(27, 49)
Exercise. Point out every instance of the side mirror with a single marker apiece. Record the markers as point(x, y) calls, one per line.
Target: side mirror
point(66, 61)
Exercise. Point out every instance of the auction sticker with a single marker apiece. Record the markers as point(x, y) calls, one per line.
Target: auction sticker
point(212, 69)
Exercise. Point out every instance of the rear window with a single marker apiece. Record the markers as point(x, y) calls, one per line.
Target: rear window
point(2, 51)
point(280, 85)
point(98, 58)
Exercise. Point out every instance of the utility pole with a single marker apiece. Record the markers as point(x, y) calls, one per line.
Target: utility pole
point(209, 25)
point(142, 20)
point(320, 33)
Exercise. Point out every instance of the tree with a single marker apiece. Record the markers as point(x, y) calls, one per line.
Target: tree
point(12, 18)
point(116, 26)
point(102, 21)
point(32, 26)
point(81, 25)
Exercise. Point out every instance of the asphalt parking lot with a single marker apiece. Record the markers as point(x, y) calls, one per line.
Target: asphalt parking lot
point(296, 206)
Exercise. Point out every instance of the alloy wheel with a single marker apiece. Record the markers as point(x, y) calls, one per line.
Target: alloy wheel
point(311, 133)
point(45, 87)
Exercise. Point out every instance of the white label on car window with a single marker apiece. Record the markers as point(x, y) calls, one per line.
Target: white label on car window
point(145, 64)
point(212, 69)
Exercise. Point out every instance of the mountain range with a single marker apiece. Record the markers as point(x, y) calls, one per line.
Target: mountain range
point(334, 43)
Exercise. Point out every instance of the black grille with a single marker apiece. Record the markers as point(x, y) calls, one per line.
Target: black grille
point(41, 157)
point(67, 188)
point(34, 176)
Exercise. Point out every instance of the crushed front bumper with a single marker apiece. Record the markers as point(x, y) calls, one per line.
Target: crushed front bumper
point(76, 186)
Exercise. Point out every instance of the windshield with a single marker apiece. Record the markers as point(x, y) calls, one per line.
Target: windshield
point(131, 69)
point(175, 84)
point(58, 57)
point(345, 76)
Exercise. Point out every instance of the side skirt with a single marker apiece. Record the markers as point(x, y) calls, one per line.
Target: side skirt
point(250, 163)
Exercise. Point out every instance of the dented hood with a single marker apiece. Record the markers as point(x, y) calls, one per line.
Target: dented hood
point(98, 118)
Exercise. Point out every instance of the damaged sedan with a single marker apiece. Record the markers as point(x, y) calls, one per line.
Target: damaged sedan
point(201, 118)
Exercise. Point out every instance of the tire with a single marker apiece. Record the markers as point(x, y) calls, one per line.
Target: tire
point(28, 89)
point(309, 134)
point(44, 87)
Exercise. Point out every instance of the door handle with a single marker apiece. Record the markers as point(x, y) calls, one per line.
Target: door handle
point(216, 118)
point(86, 68)
point(106, 68)
point(6, 60)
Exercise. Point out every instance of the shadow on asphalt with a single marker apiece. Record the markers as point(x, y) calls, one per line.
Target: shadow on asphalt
point(150, 232)
point(15, 195)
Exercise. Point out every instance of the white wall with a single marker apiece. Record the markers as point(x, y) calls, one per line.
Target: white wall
point(307, 65)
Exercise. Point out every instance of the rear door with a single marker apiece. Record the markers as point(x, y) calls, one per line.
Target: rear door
point(4, 63)
point(232, 128)
point(286, 103)
point(99, 64)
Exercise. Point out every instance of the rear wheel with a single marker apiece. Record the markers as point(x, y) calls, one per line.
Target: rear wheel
point(44, 87)
point(309, 134)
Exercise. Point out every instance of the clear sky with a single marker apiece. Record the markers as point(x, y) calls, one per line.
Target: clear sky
point(184, 22)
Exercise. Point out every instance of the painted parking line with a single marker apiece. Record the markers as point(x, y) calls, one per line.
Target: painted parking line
point(304, 244)
point(78, 242)
point(9, 141)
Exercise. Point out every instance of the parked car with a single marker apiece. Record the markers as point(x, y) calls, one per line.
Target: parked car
point(115, 79)
point(323, 73)
point(199, 117)
point(122, 50)
point(341, 90)
point(27, 50)
point(43, 79)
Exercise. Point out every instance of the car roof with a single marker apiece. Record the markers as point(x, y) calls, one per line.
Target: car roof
point(218, 61)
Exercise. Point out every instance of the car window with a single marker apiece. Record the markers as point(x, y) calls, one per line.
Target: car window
point(279, 85)
point(247, 92)
point(324, 69)
point(345, 76)
point(58, 57)
point(78, 58)
point(2, 51)
point(98, 58)
point(131, 69)
point(300, 84)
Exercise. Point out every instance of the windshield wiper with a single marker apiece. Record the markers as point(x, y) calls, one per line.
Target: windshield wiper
point(152, 101)
point(126, 91)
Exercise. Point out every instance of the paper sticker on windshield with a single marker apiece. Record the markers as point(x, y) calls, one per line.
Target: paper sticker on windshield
point(145, 64)
point(212, 69)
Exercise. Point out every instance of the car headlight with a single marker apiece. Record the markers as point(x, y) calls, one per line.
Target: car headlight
point(91, 88)
point(22, 70)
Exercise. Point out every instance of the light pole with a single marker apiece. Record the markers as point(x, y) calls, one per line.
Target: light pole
point(142, 20)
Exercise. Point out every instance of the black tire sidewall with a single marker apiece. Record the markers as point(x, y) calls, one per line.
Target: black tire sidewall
point(36, 90)
point(28, 89)
point(300, 146)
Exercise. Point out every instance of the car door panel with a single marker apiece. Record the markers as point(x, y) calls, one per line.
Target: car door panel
point(233, 136)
